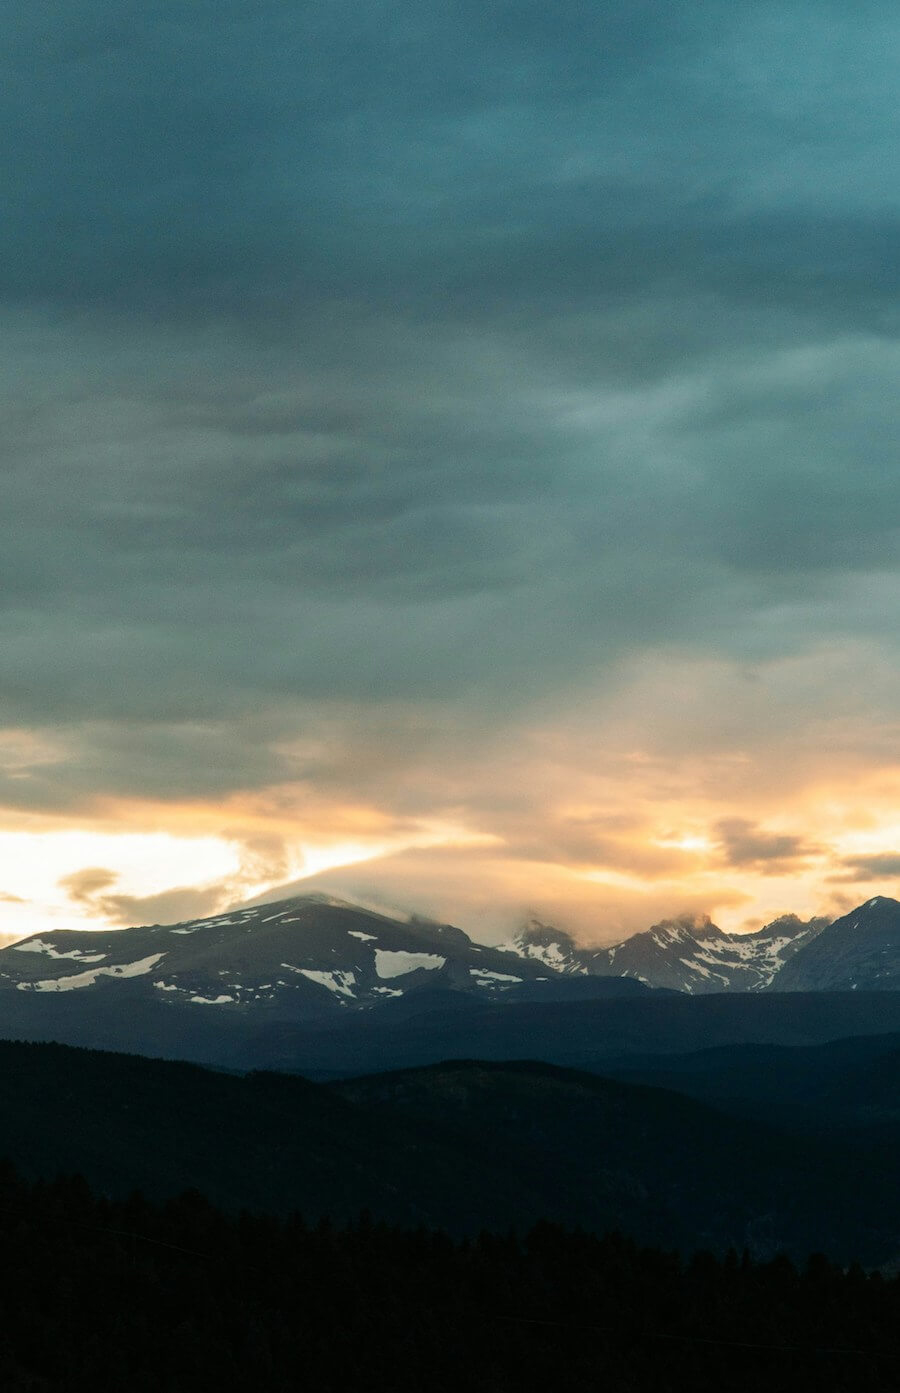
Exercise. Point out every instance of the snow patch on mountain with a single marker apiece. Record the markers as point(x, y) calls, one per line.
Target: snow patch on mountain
point(391, 962)
point(221, 921)
point(87, 979)
point(37, 945)
point(341, 983)
point(489, 979)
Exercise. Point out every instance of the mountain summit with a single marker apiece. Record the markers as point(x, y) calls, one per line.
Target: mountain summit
point(300, 959)
point(307, 955)
point(859, 952)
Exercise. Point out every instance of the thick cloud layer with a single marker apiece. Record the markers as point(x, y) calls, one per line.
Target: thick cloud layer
point(385, 384)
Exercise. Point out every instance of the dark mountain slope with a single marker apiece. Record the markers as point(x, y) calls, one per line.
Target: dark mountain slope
point(831, 1085)
point(859, 952)
point(268, 1142)
point(463, 1146)
point(669, 1166)
point(867, 1088)
point(579, 1034)
point(429, 1025)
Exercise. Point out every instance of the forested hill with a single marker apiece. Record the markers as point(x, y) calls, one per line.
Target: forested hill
point(460, 1146)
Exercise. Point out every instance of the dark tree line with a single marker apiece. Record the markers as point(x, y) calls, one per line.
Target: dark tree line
point(181, 1296)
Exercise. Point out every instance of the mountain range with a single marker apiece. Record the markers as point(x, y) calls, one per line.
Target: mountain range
point(314, 956)
point(455, 1084)
point(858, 952)
point(306, 984)
point(688, 954)
point(315, 985)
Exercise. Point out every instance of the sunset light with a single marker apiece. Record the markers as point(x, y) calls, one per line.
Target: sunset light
point(449, 696)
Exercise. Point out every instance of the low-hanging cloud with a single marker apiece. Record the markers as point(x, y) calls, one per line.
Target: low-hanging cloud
point(165, 907)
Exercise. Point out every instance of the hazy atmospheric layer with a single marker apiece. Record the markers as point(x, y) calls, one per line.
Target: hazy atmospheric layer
point(457, 435)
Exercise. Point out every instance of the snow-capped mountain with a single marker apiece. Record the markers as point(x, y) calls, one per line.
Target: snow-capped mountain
point(858, 952)
point(689, 954)
point(313, 958)
point(298, 958)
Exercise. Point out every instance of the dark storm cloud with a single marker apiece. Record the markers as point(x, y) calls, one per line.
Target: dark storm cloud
point(335, 149)
point(360, 354)
point(744, 843)
point(882, 864)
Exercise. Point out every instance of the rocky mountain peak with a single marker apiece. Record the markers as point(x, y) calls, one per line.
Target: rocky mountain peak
point(544, 943)
point(791, 926)
point(698, 926)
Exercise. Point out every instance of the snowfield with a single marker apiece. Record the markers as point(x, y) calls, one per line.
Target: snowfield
point(37, 945)
point(488, 979)
point(341, 983)
point(87, 979)
point(392, 963)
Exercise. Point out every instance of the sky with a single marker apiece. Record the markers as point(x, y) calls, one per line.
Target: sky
point(449, 457)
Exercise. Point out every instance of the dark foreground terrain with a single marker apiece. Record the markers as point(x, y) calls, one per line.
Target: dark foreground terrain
point(105, 1296)
point(459, 1146)
point(456, 1228)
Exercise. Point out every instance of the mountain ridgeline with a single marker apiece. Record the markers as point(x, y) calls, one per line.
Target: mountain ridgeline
point(858, 952)
point(689, 954)
point(325, 955)
point(319, 986)
point(307, 956)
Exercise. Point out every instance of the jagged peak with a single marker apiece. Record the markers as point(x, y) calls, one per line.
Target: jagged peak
point(696, 925)
point(790, 926)
point(536, 932)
